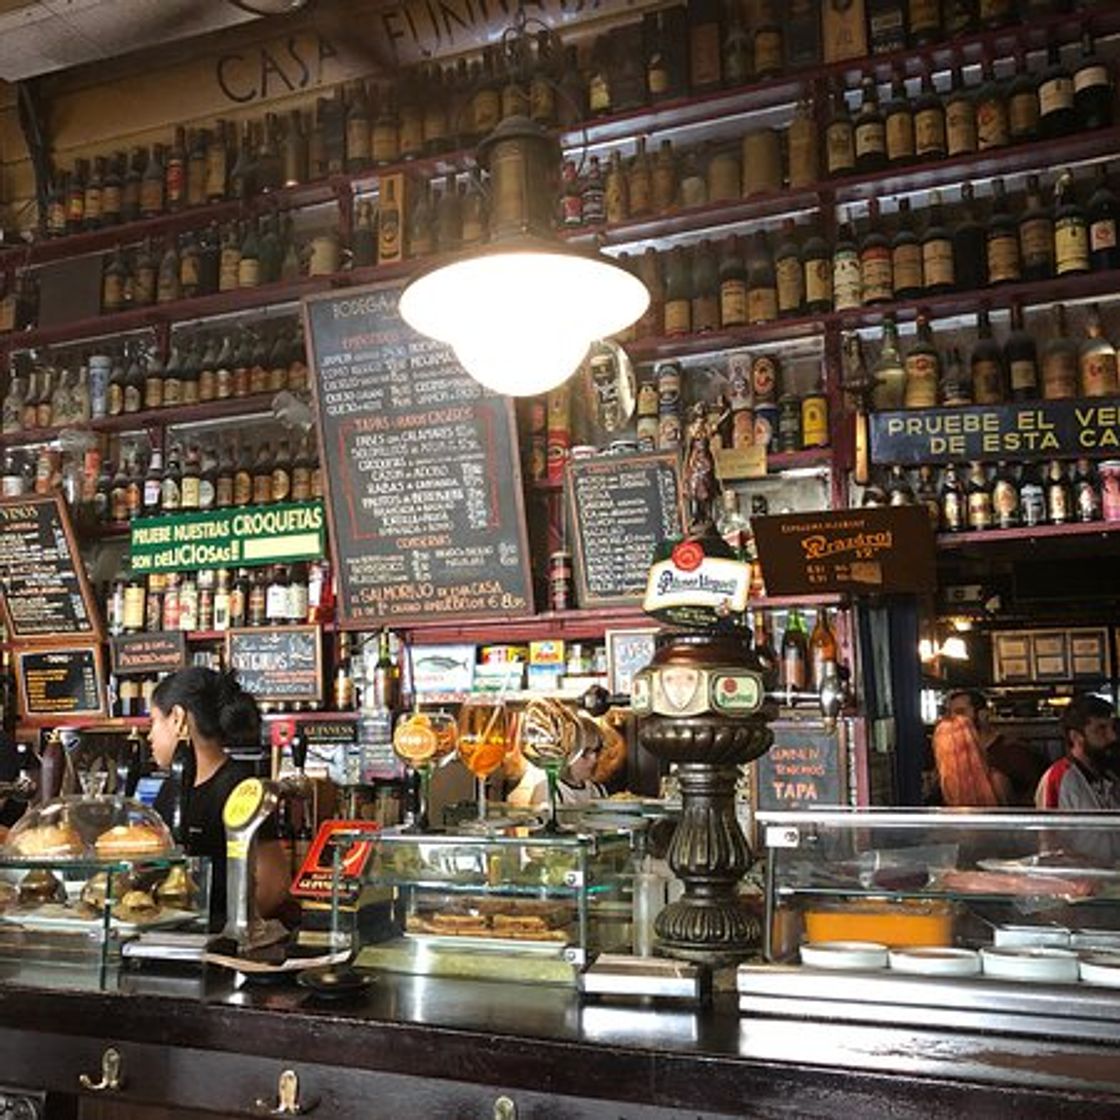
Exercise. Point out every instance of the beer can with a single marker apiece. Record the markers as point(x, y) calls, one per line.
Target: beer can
point(766, 427)
point(814, 420)
point(789, 423)
point(668, 386)
point(647, 433)
point(742, 428)
point(560, 580)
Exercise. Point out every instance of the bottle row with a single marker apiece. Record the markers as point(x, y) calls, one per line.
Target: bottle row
point(915, 124)
point(803, 658)
point(705, 287)
point(1008, 496)
point(925, 376)
point(53, 391)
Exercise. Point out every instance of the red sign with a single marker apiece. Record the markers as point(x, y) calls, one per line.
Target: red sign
point(315, 879)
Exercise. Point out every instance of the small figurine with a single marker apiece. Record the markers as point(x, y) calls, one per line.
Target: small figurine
point(701, 484)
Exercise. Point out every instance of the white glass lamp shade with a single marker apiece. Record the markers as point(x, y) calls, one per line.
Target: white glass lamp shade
point(521, 317)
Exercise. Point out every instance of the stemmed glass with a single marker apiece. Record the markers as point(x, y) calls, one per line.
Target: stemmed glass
point(423, 741)
point(549, 733)
point(483, 740)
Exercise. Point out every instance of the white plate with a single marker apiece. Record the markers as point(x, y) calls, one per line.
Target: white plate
point(844, 954)
point(1103, 969)
point(1055, 966)
point(933, 960)
point(488, 944)
point(58, 919)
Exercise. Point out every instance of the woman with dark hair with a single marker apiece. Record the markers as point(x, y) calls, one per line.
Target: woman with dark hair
point(211, 712)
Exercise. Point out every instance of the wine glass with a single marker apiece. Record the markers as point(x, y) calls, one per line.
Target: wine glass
point(424, 741)
point(483, 740)
point(549, 733)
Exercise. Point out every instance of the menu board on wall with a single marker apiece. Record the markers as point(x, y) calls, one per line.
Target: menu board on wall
point(45, 591)
point(804, 767)
point(621, 508)
point(281, 663)
point(54, 683)
point(423, 479)
point(148, 653)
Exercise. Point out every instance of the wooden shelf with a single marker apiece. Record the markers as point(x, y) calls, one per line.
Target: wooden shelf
point(1017, 537)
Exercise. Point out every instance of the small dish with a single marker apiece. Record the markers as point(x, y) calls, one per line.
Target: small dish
point(935, 960)
point(844, 955)
point(1038, 963)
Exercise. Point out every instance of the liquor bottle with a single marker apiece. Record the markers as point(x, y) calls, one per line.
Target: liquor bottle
point(243, 477)
point(989, 382)
point(847, 282)
point(899, 490)
point(876, 278)
point(823, 650)
point(839, 136)
point(133, 384)
point(223, 482)
point(678, 292)
point(923, 368)
point(217, 162)
point(816, 264)
point(222, 596)
point(436, 127)
point(1023, 108)
point(693, 184)
point(870, 134)
point(889, 372)
point(737, 49)
point(130, 188)
point(1005, 498)
point(282, 473)
point(930, 141)
point(384, 133)
point(954, 501)
point(1061, 377)
point(169, 492)
point(152, 184)
point(1020, 357)
point(763, 642)
point(795, 653)
point(262, 475)
point(938, 274)
point(906, 256)
point(970, 245)
point(256, 597)
point(1036, 235)
point(56, 206)
point(113, 283)
point(1092, 87)
point(733, 525)
point(276, 595)
point(594, 195)
point(705, 34)
point(899, 123)
point(198, 139)
point(1097, 360)
point(996, 13)
point(762, 284)
point(599, 101)
point(802, 33)
point(542, 84)
point(190, 480)
point(384, 694)
point(175, 173)
point(249, 263)
point(1086, 492)
point(168, 286)
point(1071, 229)
point(924, 19)
point(926, 495)
point(1032, 497)
point(960, 117)
point(1059, 497)
point(1004, 263)
point(92, 201)
point(1056, 113)
point(886, 25)
point(639, 182)
point(1102, 212)
point(732, 284)
point(993, 129)
point(956, 381)
point(979, 498)
point(664, 178)
point(616, 192)
point(76, 197)
point(789, 272)
point(768, 45)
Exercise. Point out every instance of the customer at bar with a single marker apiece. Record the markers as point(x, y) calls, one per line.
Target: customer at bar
point(212, 712)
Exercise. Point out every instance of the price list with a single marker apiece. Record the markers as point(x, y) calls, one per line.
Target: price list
point(60, 682)
point(44, 589)
point(423, 480)
point(622, 508)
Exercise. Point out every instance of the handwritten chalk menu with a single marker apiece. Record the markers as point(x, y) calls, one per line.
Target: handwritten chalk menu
point(45, 591)
point(621, 507)
point(861, 551)
point(54, 683)
point(804, 767)
point(149, 653)
point(424, 484)
point(281, 663)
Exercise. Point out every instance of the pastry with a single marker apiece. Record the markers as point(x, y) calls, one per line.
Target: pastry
point(176, 890)
point(93, 893)
point(41, 886)
point(48, 841)
point(136, 906)
point(125, 841)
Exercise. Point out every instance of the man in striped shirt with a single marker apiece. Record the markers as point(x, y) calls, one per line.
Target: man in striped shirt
point(1085, 779)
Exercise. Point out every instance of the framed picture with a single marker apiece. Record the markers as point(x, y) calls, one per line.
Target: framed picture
point(627, 652)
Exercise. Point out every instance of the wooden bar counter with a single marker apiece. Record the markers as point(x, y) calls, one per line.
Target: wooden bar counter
point(416, 1047)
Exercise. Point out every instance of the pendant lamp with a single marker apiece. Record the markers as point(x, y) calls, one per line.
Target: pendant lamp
point(522, 311)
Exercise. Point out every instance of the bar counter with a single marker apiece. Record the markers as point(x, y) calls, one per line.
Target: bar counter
point(411, 1046)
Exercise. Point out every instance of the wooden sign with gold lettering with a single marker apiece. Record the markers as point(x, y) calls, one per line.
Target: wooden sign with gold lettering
point(1030, 431)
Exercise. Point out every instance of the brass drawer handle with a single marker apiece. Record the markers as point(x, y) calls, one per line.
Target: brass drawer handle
point(111, 1079)
point(288, 1102)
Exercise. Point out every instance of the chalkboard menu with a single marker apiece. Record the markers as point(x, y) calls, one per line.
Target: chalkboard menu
point(621, 507)
point(804, 767)
point(424, 484)
point(278, 663)
point(162, 651)
point(55, 683)
point(45, 591)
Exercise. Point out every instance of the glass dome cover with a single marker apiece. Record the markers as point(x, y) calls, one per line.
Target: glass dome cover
point(87, 827)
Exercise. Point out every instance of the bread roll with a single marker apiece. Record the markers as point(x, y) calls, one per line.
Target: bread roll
point(125, 841)
point(48, 840)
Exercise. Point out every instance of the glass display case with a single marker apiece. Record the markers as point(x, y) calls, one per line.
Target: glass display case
point(533, 907)
point(81, 875)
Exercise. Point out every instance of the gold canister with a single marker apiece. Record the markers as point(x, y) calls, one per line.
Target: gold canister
point(724, 177)
point(814, 419)
point(762, 162)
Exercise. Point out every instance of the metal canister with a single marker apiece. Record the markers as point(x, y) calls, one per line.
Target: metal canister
point(1110, 489)
point(766, 426)
point(723, 176)
point(814, 419)
point(648, 428)
point(762, 162)
point(668, 387)
point(789, 422)
point(742, 428)
point(559, 439)
point(560, 580)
